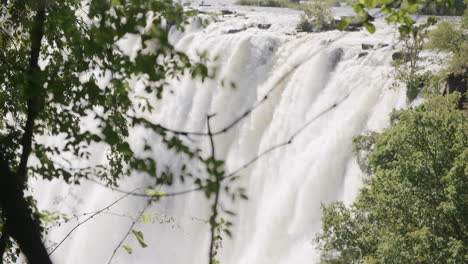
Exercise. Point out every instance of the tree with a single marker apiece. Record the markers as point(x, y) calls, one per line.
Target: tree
point(54, 57)
point(410, 67)
point(442, 8)
point(453, 39)
point(316, 17)
point(398, 12)
point(412, 208)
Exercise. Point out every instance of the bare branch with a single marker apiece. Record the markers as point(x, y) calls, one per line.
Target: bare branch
point(129, 230)
point(93, 215)
point(233, 123)
point(282, 144)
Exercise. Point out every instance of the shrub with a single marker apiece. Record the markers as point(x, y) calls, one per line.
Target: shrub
point(268, 3)
point(316, 17)
point(452, 38)
point(433, 7)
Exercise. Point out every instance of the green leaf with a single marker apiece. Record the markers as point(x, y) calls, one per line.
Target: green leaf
point(114, 3)
point(139, 237)
point(359, 9)
point(151, 193)
point(413, 7)
point(370, 27)
point(343, 23)
point(145, 218)
point(369, 3)
point(128, 249)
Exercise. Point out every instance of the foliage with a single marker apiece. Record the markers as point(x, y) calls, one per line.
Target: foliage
point(410, 68)
point(316, 17)
point(269, 3)
point(433, 7)
point(451, 38)
point(363, 145)
point(398, 12)
point(413, 207)
point(62, 62)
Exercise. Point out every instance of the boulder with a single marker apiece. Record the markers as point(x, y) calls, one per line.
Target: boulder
point(367, 46)
point(399, 55)
point(227, 12)
point(382, 45)
point(362, 54)
point(264, 26)
point(235, 30)
point(458, 82)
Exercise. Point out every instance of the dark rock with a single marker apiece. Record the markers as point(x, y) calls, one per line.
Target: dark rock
point(362, 54)
point(236, 30)
point(354, 26)
point(367, 46)
point(458, 82)
point(404, 56)
point(227, 12)
point(382, 45)
point(264, 26)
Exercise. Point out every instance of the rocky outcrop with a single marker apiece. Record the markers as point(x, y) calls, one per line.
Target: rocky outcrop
point(367, 46)
point(227, 12)
point(400, 56)
point(458, 82)
point(362, 54)
point(235, 30)
point(264, 26)
point(382, 45)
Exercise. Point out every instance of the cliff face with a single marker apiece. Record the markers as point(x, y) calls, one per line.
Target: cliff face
point(458, 82)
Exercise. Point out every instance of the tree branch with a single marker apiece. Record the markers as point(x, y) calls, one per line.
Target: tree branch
point(33, 90)
point(233, 123)
point(91, 217)
point(17, 212)
point(214, 208)
point(134, 221)
point(3, 242)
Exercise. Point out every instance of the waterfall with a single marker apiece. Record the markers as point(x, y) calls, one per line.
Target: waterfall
point(303, 76)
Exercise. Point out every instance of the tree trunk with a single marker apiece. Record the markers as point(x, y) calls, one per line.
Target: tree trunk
point(18, 215)
point(16, 210)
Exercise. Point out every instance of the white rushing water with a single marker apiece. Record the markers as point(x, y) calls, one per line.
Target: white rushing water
point(304, 74)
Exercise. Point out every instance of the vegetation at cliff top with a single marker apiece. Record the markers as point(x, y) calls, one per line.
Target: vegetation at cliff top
point(412, 208)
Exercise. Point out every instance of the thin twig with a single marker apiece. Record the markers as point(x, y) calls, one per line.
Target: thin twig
point(287, 142)
point(129, 230)
point(89, 218)
point(247, 164)
point(144, 195)
point(233, 123)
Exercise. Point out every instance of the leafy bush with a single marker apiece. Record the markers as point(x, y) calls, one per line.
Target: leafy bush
point(413, 207)
point(410, 68)
point(452, 38)
point(316, 17)
point(433, 7)
point(268, 3)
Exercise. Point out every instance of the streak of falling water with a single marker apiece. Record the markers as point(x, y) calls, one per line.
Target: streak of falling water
point(302, 75)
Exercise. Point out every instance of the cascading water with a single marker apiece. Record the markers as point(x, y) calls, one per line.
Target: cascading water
point(304, 76)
